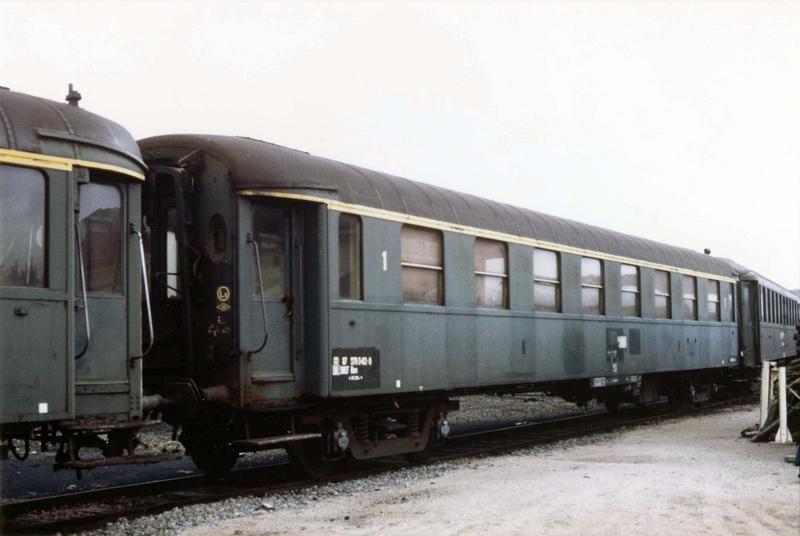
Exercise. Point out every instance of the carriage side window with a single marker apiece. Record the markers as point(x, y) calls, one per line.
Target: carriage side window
point(546, 281)
point(731, 304)
point(491, 273)
point(689, 287)
point(349, 257)
point(422, 265)
point(100, 232)
point(663, 305)
point(629, 276)
point(592, 286)
point(713, 301)
point(271, 230)
point(762, 306)
point(23, 238)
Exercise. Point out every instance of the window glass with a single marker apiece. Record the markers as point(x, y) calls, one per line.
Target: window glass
point(546, 286)
point(269, 228)
point(545, 265)
point(592, 286)
point(663, 306)
point(349, 257)
point(629, 277)
point(546, 297)
point(23, 238)
point(491, 277)
point(730, 304)
point(689, 291)
point(591, 272)
point(713, 300)
point(422, 265)
point(100, 231)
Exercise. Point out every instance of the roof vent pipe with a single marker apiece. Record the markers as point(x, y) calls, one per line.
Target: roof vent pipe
point(73, 96)
point(707, 251)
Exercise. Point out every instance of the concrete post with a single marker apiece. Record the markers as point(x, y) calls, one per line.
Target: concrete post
point(765, 393)
point(783, 435)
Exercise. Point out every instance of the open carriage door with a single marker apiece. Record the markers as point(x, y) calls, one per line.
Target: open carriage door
point(270, 311)
point(107, 293)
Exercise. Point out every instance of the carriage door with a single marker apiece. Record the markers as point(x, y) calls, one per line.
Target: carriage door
point(268, 239)
point(747, 317)
point(34, 303)
point(101, 364)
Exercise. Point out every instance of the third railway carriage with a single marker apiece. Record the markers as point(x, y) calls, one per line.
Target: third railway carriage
point(334, 310)
point(70, 276)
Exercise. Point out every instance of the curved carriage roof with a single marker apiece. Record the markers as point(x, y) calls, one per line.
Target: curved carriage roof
point(35, 125)
point(258, 165)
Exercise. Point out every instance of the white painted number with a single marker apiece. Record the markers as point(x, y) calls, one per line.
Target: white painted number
point(385, 257)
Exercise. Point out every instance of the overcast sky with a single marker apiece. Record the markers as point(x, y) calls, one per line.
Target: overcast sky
point(679, 122)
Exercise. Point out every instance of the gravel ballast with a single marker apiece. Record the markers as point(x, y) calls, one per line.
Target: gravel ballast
point(692, 475)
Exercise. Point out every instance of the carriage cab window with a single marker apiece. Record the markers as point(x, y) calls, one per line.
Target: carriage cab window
point(629, 276)
point(100, 233)
point(349, 257)
point(546, 282)
point(689, 288)
point(491, 274)
point(422, 265)
point(713, 301)
point(23, 240)
point(592, 297)
point(270, 228)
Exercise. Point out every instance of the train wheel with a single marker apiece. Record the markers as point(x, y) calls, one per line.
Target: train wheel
point(308, 456)
point(215, 459)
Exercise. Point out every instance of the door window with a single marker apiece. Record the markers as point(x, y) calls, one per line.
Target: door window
point(100, 232)
point(270, 233)
point(23, 239)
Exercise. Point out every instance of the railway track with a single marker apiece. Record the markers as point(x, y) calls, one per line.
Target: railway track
point(92, 509)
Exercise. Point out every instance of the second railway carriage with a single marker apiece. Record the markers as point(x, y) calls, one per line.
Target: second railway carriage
point(70, 317)
point(335, 310)
point(769, 318)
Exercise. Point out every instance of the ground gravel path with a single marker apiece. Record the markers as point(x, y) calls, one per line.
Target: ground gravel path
point(692, 475)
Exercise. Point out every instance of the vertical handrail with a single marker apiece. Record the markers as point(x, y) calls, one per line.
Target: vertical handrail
point(257, 255)
point(83, 293)
point(146, 288)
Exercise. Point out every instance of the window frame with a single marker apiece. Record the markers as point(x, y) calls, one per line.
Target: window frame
point(693, 299)
point(709, 301)
point(667, 295)
point(637, 292)
point(600, 287)
point(542, 281)
point(421, 266)
point(359, 248)
point(46, 283)
point(504, 277)
point(123, 218)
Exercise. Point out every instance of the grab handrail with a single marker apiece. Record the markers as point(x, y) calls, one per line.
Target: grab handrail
point(146, 292)
point(257, 255)
point(83, 293)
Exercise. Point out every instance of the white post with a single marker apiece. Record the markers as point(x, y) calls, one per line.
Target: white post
point(783, 435)
point(765, 392)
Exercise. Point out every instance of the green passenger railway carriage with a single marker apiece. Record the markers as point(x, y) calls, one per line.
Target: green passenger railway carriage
point(70, 280)
point(336, 310)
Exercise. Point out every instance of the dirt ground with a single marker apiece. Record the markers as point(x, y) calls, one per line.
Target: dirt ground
point(690, 476)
